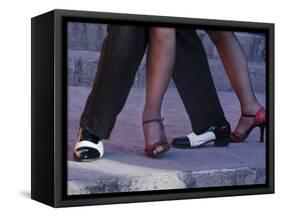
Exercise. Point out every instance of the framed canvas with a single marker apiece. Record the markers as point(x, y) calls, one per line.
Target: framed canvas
point(102, 84)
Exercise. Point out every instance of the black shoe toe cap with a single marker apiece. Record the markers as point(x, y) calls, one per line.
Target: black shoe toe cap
point(86, 154)
point(181, 142)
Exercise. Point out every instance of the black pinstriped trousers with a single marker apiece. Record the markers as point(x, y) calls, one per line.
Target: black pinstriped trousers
point(122, 52)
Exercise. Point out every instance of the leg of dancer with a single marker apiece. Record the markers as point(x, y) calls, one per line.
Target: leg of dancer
point(235, 64)
point(160, 63)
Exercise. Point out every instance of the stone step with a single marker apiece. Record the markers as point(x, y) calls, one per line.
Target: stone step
point(129, 178)
point(124, 167)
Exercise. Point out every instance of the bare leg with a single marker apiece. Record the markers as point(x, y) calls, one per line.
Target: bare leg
point(235, 64)
point(160, 62)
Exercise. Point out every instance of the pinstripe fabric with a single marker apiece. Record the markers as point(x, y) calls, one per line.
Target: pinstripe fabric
point(121, 55)
point(122, 52)
point(194, 82)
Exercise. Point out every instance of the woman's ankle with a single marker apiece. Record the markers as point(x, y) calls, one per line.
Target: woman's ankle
point(250, 108)
point(149, 114)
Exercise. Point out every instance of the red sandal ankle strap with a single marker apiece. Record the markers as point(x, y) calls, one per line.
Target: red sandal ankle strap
point(159, 120)
point(253, 115)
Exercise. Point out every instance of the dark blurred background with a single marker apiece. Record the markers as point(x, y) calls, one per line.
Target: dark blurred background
point(85, 41)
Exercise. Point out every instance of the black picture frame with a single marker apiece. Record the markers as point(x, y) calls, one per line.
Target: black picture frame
point(49, 105)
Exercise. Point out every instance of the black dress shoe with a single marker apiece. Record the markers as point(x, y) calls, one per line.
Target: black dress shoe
point(219, 135)
point(88, 147)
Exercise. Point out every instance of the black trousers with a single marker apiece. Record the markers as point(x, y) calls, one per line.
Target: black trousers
point(121, 54)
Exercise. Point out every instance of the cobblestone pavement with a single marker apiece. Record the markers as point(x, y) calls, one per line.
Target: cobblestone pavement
point(126, 168)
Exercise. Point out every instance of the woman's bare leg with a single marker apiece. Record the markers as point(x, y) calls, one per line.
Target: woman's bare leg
point(235, 64)
point(160, 62)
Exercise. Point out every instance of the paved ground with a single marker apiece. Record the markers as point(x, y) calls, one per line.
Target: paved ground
point(125, 167)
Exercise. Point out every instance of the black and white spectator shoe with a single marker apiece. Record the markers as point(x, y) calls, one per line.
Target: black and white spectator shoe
point(88, 147)
point(218, 135)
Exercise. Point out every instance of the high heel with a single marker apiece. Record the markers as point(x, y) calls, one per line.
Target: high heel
point(259, 121)
point(262, 133)
point(159, 148)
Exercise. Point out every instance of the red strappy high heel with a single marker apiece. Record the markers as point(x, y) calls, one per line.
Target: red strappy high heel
point(259, 121)
point(159, 148)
